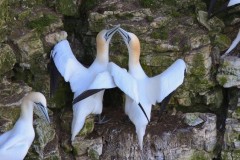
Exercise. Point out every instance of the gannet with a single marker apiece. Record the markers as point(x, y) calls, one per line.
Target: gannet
point(226, 5)
point(233, 45)
point(146, 90)
point(14, 144)
point(87, 84)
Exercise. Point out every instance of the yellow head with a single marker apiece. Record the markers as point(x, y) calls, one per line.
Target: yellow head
point(39, 101)
point(133, 45)
point(103, 39)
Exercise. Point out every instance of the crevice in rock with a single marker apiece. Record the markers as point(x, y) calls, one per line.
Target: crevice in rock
point(221, 122)
point(15, 48)
point(62, 136)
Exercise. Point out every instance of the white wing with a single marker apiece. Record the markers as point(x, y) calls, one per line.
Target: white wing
point(102, 80)
point(233, 2)
point(67, 64)
point(124, 81)
point(233, 45)
point(163, 84)
point(4, 137)
point(12, 140)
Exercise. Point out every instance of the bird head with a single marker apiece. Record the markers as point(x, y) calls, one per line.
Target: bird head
point(105, 36)
point(40, 104)
point(103, 39)
point(132, 42)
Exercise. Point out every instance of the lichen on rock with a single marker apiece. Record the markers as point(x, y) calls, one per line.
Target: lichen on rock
point(7, 59)
point(228, 72)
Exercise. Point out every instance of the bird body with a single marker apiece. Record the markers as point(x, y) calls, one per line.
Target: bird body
point(141, 89)
point(233, 2)
point(84, 79)
point(14, 144)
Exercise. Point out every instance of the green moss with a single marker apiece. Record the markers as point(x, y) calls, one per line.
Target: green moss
point(98, 26)
point(67, 7)
point(42, 22)
point(112, 8)
point(59, 99)
point(121, 60)
point(75, 151)
point(93, 154)
point(160, 33)
point(148, 3)
point(185, 47)
point(4, 12)
point(222, 41)
point(24, 14)
point(222, 80)
point(31, 3)
point(149, 18)
point(87, 5)
point(236, 114)
point(88, 126)
point(198, 68)
point(147, 69)
point(236, 154)
point(124, 16)
point(10, 113)
point(225, 64)
point(7, 59)
point(199, 157)
point(226, 155)
point(175, 13)
point(196, 78)
point(170, 2)
point(238, 111)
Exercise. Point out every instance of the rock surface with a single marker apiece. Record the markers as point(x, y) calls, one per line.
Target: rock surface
point(167, 30)
point(229, 72)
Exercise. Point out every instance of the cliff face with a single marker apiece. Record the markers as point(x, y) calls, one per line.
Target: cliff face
point(202, 121)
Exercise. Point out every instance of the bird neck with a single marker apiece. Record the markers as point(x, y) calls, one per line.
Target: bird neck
point(27, 112)
point(102, 52)
point(102, 57)
point(135, 69)
point(134, 57)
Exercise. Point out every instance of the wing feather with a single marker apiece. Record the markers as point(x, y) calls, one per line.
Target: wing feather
point(124, 81)
point(101, 82)
point(165, 83)
point(67, 64)
point(65, 61)
point(233, 2)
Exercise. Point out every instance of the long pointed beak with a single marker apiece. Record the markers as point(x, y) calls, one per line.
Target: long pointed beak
point(124, 35)
point(43, 110)
point(111, 31)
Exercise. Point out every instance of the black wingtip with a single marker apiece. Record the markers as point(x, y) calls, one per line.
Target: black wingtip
point(144, 112)
point(165, 102)
point(86, 94)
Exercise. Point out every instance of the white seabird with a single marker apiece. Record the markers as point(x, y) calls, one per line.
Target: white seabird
point(233, 45)
point(14, 144)
point(147, 91)
point(87, 84)
point(228, 4)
